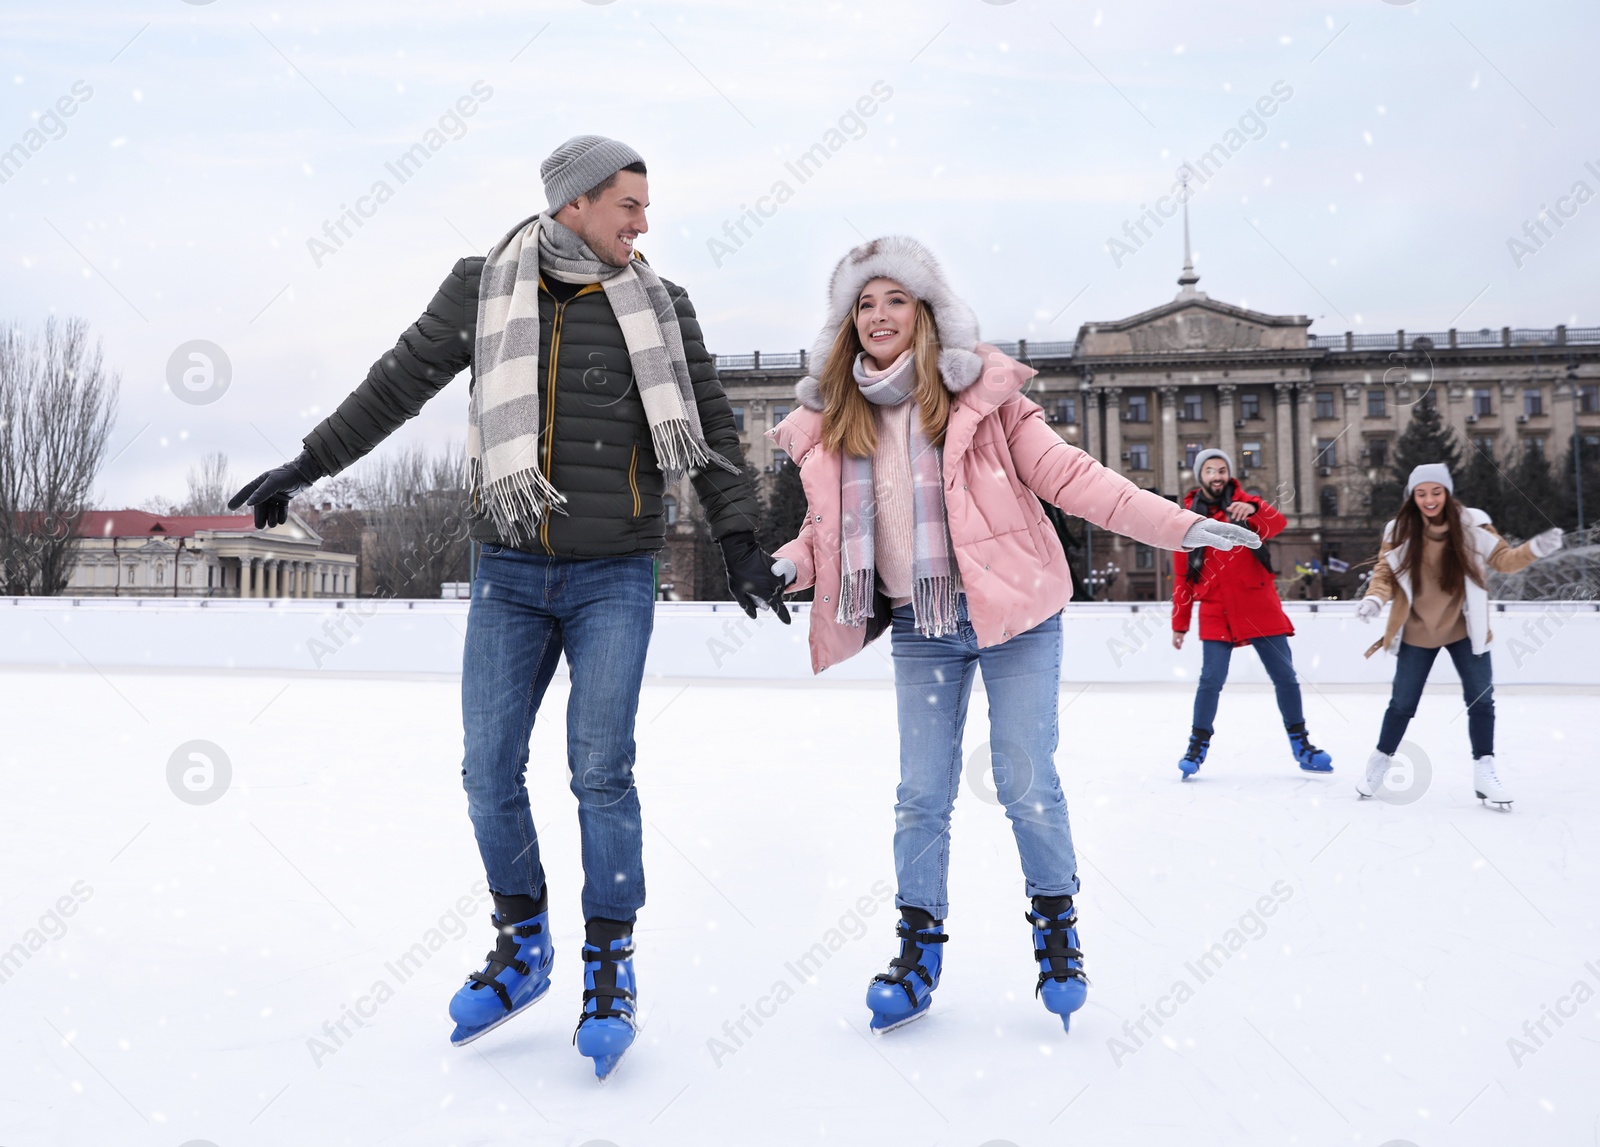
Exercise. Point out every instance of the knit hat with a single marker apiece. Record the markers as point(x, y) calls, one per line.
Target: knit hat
point(1201, 458)
point(913, 266)
point(584, 161)
point(1430, 472)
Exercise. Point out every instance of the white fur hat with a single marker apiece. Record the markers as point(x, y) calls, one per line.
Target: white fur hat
point(1430, 472)
point(913, 266)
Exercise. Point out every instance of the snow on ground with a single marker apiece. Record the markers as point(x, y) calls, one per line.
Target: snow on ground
point(1386, 953)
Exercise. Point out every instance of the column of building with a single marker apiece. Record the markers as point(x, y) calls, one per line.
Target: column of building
point(1283, 494)
point(1113, 447)
point(1308, 501)
point(1089, 419)
point(1226, 440)
point(1169, 439)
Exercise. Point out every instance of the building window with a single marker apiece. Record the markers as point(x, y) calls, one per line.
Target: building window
point(1194, 407)
point(669, 507)
point(1325, 404)
point(1250, 455)
point(779, 413)
point(1533, 403)
point(324, 581)
point(1482, 403)
point(1138, 408)
point(132, 578)
point(1377, 405)
point(1066, 408)
point(188, 575)
point(1534, 445)
point(1249, 405)
point(346, 583)
point(1139, 456)
point(1589, 398)
point(1327, 451)
point(1484, 444)
point(1591, 445)
point(1144, 557)
point(1330, 502)
point(1378, 451)
point(780, 459)
point(738, 419)
point(1190, 449)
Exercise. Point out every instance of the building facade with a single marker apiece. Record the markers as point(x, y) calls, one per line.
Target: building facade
point(1310, 420)
point(130, 553)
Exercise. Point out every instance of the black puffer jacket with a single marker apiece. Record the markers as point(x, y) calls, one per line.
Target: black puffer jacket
point(595, 440)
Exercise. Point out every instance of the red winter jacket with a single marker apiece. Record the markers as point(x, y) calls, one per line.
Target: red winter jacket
point(1238, 600)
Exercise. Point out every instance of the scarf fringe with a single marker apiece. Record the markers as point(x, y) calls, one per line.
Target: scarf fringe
point(677, 448)
point(855, 597)
point(933, 602)
point(516, 502)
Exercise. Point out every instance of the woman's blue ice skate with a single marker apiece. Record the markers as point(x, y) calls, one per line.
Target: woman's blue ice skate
point(905, 991)
point(1062, 984)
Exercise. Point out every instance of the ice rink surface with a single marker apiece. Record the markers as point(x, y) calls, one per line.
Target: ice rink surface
point(1271, 960)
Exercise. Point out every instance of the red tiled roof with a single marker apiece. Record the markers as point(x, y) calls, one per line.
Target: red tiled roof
point(138, 523)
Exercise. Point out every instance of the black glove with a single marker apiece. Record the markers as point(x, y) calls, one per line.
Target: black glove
point(750, 575)
point(269, 494)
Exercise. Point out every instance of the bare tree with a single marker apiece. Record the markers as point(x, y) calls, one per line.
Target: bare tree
point(210, 486)
point(57, 407)
point(413, 519)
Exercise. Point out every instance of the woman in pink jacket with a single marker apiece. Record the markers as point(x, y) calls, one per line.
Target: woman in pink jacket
point(923, 465)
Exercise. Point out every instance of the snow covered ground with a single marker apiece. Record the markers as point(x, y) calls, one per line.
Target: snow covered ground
point(1377, 959)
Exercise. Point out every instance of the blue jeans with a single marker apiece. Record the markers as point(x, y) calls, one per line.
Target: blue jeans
point(1274, 654)
point(933, 683)
point(526, 611)
point(1477, 688)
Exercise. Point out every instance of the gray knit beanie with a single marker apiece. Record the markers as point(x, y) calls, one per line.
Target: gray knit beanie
point(1430, 472)
point(1201, 458)
point(584, 161)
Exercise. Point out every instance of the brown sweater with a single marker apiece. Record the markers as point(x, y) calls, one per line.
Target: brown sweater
point(1442, 619)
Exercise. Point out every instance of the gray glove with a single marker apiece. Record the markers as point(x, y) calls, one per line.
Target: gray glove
point(1545, 544)
point(1369, 608)
point(1220, 536)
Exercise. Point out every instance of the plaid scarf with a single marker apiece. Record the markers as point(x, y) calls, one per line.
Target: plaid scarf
point(503, 418)
point(935, 580)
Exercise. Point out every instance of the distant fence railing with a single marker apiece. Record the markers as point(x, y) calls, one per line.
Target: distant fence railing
point(1451, 339)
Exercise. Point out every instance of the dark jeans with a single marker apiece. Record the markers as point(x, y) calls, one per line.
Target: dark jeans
point(1477, 688)
point(1274, 654)
point(526, 611)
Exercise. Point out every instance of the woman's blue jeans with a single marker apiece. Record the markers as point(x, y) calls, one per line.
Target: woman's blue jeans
point(526, 611)
point(1412, 666)
point(933, 683)
point(1279, 663)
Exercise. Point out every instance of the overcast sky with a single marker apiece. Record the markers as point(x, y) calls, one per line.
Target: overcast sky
point(177, 201)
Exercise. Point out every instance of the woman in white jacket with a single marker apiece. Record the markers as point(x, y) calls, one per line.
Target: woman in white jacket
point(1431, 571)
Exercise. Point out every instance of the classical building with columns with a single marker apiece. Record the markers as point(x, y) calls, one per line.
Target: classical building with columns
point(130, 553)
point(1310, 420)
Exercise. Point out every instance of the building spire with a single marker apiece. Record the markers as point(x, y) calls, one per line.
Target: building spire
point(1188, 278)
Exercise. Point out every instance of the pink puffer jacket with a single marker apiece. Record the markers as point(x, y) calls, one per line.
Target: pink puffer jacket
point(998, 453)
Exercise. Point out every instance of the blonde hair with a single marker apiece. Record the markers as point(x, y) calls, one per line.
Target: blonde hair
point(848, 424)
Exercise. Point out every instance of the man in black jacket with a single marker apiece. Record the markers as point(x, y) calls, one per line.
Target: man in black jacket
point(574, 575)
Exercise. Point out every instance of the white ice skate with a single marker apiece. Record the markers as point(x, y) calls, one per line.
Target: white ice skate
point(1486, 783)
point(1377, 767)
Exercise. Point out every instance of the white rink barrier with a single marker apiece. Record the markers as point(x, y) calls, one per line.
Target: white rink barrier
point(1536, 643)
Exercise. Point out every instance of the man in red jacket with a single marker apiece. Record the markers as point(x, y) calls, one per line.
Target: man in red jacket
point(1238, 605)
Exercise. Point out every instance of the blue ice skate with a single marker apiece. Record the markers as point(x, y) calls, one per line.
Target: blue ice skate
point(1062, 984)
point(905, 991)
point(606, 1024)
point(1306, 755)
point(1199, 742)
point(517, 973)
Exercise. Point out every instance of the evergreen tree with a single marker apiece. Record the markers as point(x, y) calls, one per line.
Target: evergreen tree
point(1426, 439)
point(1532, 496)
point(1481, 485)
point(783, 512)
point(1566, 483)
